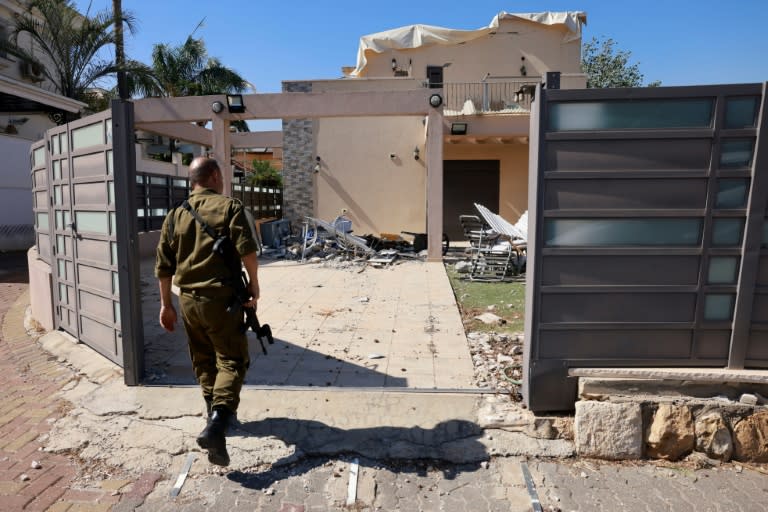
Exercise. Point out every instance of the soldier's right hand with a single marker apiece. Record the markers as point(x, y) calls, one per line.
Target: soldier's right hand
point(168, 318)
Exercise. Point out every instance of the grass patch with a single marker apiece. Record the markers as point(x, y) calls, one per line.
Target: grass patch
point(473, 298)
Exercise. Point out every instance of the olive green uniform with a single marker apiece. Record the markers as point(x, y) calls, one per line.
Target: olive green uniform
point(217, 344)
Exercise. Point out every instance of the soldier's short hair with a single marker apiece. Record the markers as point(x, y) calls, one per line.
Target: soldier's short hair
point(201, 169)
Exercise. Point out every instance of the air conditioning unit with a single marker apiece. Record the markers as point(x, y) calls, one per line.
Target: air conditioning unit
point(32, 71)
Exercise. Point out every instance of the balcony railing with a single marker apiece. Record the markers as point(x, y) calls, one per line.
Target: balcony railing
point(489, 97)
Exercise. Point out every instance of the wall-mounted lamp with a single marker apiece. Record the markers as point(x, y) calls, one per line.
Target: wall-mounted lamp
point(458, 128)
point(394, 63)
point(416, 153)
point(435, 100)
point(317, 164)
point(235, 103)
point(217, 107)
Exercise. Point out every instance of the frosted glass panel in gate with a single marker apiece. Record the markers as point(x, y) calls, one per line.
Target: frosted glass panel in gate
point(622, 232)
point(639, 114)
point(90, 135)
point(732, 193)
point(723, 270)
point(93, 222)
point(38, 157)
point(718, 307)
point(741, 112)
point(736, 153)
point(727, 232)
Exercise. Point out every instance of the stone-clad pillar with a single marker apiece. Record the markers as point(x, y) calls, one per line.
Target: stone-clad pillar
point(298, 163)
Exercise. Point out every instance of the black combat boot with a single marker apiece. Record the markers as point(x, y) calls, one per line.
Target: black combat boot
point(212, 437)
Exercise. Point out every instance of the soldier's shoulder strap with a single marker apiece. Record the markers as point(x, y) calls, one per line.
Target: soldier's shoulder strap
point(208, 229)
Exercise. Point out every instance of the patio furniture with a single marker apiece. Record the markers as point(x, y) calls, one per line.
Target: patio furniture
point(505, 256)
point(476, 232)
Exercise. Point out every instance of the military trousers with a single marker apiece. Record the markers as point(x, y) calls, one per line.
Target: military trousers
point(217, 344)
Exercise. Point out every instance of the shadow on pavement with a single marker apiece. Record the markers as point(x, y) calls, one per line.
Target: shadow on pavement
point(13, 267)
point(451, 440)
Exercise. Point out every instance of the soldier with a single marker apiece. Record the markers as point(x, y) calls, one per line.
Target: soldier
point(217, 342)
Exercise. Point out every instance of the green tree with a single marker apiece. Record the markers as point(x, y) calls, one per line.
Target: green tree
point(67, 48)
point(264, 175)
point(607, 66)
point(187, 70)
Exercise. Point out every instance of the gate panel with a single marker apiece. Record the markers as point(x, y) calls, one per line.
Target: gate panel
point(647, 239)
point(84, 266)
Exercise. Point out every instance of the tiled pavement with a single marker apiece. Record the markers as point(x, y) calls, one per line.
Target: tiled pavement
point(30, 478)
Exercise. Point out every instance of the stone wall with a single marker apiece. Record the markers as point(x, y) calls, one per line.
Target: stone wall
point(298, 163)
point(627, 420)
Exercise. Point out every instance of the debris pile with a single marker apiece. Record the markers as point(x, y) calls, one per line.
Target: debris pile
point(324, 242)
point(498, 361)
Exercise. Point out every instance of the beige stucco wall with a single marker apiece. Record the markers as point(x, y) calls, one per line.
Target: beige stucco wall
point(513, 172)
point(40, 289)
point(382, 194)
point(499, 54)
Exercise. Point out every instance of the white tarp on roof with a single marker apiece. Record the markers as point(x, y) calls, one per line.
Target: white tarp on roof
point(414, 36)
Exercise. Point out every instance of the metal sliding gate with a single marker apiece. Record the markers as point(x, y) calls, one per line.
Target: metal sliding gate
point(79, 233)
point(649, 243)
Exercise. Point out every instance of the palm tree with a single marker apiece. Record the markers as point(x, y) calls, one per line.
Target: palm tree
point(67, 48)
point(187, 70)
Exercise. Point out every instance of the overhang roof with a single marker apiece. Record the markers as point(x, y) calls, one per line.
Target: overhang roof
point(17, 96)
point(415, 36)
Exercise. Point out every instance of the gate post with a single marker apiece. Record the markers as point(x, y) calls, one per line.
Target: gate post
point(129, 265)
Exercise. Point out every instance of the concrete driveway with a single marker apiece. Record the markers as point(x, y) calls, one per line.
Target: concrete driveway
point(337, 324)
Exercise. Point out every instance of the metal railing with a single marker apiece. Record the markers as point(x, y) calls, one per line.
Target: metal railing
point(500, 97)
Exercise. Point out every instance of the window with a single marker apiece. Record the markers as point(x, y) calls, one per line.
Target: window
point(732, 193)
point(736, 153)
point(718, 307)
point(622, 232)
point(723, 270)
point(631, 115)
point(741, 112)
point(727, 231)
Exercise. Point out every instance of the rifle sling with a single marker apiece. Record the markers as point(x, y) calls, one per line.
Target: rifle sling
point(199, 219)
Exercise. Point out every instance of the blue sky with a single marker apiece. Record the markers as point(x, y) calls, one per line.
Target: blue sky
point(680, 42)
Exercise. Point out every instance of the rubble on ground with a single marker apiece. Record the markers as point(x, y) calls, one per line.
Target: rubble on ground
point(497, 359)
point(334, 253)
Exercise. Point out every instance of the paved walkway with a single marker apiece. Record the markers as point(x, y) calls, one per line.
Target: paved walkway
point(350, 327)
point(120, 449)
point(30, 380)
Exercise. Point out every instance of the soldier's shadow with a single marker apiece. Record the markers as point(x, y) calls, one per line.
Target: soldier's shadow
point(316, 443)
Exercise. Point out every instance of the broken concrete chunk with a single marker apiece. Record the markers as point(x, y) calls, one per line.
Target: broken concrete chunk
point(670, 435)
point(462, 267)
point(490, 319)
point(713, 437)
point(748, 398)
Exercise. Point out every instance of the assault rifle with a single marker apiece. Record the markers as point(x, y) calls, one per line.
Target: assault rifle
point(223, 246)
